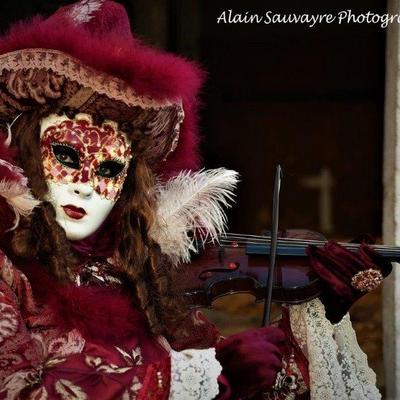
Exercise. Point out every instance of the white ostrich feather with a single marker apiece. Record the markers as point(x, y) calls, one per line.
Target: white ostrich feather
point(83, 11)
point(191, 209)
point(17, 193)
point(19, 198)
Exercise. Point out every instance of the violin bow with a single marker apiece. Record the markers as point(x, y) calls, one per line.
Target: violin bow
point(274, 241)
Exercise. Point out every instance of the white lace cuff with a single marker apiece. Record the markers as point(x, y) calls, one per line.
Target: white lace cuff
point(338, 367)
point(194, 375)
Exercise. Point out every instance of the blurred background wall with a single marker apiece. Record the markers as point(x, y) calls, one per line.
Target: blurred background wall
point(310, 99)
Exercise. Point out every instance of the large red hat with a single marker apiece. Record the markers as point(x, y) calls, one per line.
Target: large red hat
point(85, 58)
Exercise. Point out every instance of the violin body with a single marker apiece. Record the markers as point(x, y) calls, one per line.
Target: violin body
point(241, 263)
point(242, 267)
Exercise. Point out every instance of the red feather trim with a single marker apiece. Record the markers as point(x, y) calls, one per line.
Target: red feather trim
point(101, 314)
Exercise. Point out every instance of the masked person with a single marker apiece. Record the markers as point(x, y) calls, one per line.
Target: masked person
point(95, 215)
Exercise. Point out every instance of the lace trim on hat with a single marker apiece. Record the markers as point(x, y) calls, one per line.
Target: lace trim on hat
point(338, 367)
point(194, 374)
point(71, 68)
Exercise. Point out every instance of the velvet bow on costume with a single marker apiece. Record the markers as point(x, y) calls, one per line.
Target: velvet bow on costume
point(336, 266)
point(251, 360)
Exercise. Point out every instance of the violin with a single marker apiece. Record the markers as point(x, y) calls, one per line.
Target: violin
point(240, 264)
point(273, 268)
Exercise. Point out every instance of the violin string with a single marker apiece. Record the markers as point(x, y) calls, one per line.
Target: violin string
point(261, 240)
point(255, 238)
point(265, 239)
point(247, 235)
point(298, 242)
point(303, 244)
point(291, 241)
point(381, 252)
point(284, 242)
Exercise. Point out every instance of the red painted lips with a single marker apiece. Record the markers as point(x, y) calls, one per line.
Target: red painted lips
point(74, 212)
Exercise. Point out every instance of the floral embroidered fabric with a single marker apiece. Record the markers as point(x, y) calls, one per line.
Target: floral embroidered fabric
point(51, 365)
point(43, 359)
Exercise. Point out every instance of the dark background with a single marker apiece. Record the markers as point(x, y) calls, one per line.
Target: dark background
point(307, 98)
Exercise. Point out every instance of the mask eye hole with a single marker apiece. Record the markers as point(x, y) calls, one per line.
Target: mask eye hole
point(110, 169)
point(66, 155)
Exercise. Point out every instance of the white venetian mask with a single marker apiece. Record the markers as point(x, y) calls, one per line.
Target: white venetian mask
point(85, 167)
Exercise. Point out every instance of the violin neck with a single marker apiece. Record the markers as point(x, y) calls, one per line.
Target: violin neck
point(392, 253)
point(284, 248)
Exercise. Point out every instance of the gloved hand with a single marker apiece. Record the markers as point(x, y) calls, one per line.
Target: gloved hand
point(251, 360)
point(346, 276)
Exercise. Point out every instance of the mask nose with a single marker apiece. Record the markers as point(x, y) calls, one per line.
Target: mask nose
point(83, 191)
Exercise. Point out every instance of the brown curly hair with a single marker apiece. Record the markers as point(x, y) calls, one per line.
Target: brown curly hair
point(146, 270)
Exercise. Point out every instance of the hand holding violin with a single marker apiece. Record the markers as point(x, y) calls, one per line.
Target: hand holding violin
point(346, 276)
point(251, 360)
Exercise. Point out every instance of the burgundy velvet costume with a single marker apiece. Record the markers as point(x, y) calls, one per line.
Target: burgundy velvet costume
point(89, 341)
point(93, 342)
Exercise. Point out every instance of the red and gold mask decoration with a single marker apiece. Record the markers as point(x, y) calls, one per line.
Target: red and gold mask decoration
point(77, 151)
